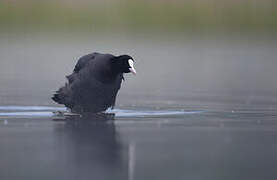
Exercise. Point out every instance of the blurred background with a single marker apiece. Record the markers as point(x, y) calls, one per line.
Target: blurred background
point(189, 53)
point(211, 61)
point(139, 16)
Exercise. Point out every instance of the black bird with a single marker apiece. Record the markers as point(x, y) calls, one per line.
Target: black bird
point(94, 83)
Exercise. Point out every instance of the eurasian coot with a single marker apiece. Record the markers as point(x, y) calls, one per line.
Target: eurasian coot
point(94, 83)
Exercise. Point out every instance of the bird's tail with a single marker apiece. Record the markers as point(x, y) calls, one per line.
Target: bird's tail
point(61, 96)
point(57, 98)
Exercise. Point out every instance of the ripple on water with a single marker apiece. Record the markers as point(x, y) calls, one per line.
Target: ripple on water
point(47, 111)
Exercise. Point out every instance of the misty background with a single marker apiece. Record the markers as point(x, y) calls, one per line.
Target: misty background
point(185, 51)
point(202, 105)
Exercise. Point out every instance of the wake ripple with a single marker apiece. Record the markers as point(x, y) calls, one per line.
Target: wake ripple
point(47, 111)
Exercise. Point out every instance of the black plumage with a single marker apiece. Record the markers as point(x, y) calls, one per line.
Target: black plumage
point(94, 82)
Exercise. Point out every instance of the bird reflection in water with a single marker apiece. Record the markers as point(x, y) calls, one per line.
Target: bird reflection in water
point(89, 147)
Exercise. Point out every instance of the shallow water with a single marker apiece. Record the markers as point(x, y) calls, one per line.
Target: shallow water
point(211, 114)
point(138, 144)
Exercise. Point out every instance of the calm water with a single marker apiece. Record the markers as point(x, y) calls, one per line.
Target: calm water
point(198, 109)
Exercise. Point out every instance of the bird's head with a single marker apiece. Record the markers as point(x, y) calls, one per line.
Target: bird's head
point(123, 64)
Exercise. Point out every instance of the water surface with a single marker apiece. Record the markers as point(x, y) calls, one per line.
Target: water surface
point(198, 109)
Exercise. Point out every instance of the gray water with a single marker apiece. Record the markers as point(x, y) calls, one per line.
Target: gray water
point(199, 108)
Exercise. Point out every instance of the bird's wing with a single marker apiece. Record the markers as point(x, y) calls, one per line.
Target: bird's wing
point(83, 61)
